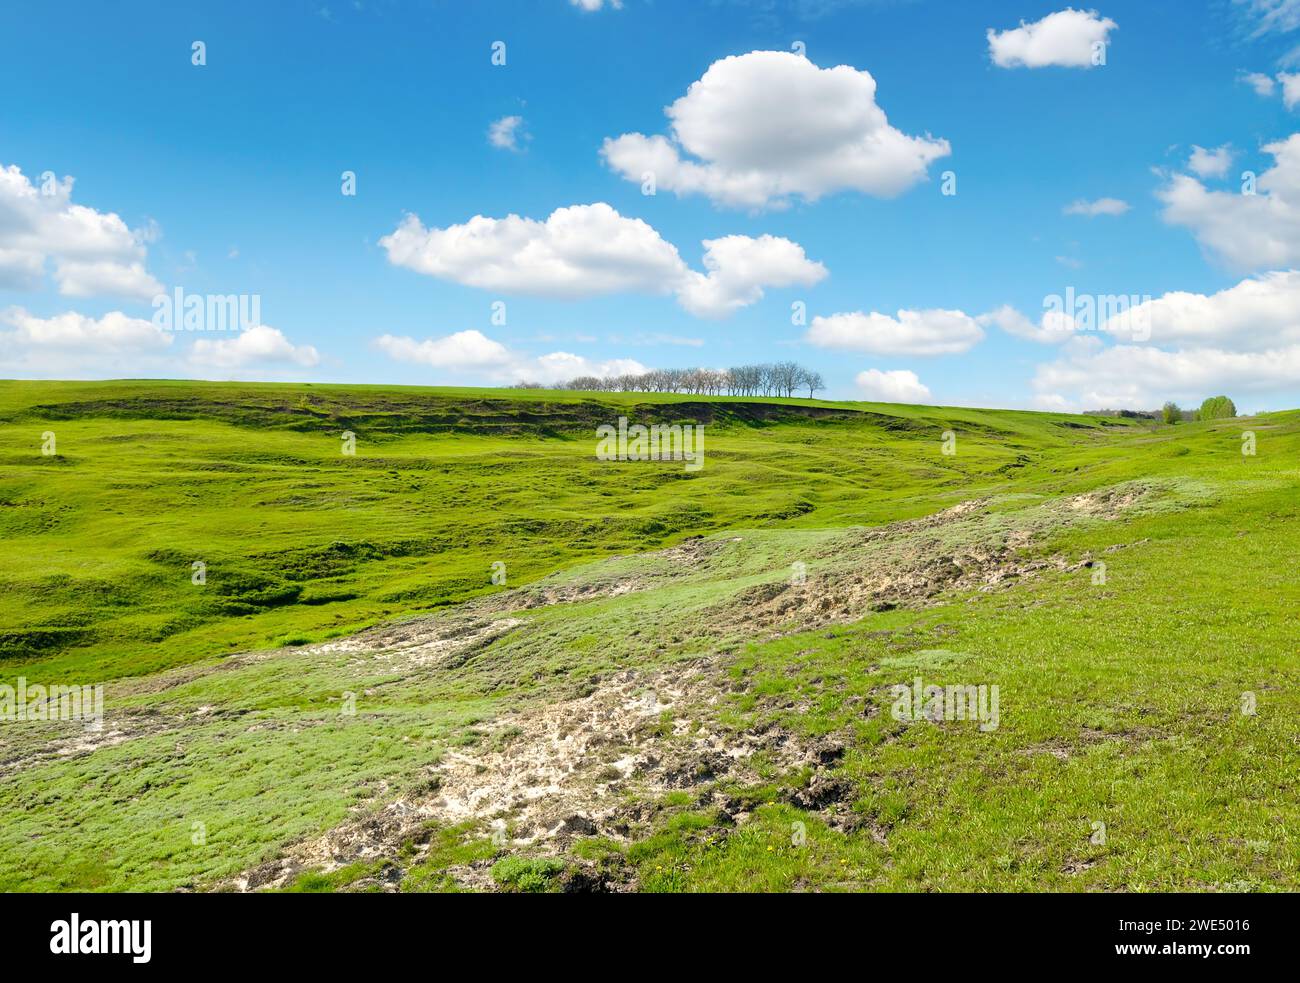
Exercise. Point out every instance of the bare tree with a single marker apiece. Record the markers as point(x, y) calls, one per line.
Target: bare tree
point(786, 377)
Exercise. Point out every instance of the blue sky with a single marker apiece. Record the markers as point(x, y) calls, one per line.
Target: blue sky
point(225, 178)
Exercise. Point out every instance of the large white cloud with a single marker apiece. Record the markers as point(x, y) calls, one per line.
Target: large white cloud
point(588, 250)
point(1244, 231)
point(1142, 377)
point(1067, 38)
point(928, 332)
point(258, 346)
point(473, 354)
point(897, 386)
point(1257, 314)
point(72, 345)
point(73, 331)
point(759, 129)
point(93, 253)
point(76, 345)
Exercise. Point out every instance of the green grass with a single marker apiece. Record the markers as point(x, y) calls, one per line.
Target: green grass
point(1120, 703)
point(527, 875)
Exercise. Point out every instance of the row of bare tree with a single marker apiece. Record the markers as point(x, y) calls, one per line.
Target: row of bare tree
point(769, 379)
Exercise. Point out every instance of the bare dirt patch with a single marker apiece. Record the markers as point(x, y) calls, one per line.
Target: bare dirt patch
point(914, 563)
point(584, 767)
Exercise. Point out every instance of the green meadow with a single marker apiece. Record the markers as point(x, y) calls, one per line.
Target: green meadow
point(1129, 587)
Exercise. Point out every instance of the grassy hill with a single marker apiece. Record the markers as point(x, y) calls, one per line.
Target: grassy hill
point(657, 698)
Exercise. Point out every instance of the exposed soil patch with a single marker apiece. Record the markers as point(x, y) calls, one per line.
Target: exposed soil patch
point(46, 742)
point(913, 563)
point(584, 767)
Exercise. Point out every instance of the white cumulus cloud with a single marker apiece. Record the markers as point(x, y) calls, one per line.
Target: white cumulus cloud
point(739, 268)
point(72, 345)
point(114, 331)
point(760, 129)
point(897, 386)
point(93, 253)
point(589, 250)
point(925, 332)
point(1244, 231)
point(258, 346)
point(462, 350)
point(1141, 377)
point(1258, 314)
point(1067, 38)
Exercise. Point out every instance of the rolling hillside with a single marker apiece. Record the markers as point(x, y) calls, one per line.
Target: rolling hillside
point(686, 679)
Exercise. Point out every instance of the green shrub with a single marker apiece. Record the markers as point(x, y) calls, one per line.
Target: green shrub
point(1218, 408)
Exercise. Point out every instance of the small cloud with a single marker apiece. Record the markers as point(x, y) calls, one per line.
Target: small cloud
point(1053, 328)
point(1261, 83)
point(506, 133)
point(1102, 206)
point(925, 332)
point(148, 233)
point(256, 346)
point(898, 386)
point(1068, 38)
point(462, 350)
point(1052, 402)
point(1290, 82)
point(1210, 163)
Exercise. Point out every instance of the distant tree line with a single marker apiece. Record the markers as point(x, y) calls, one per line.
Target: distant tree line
point(1214, 408)
point(767, 379)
